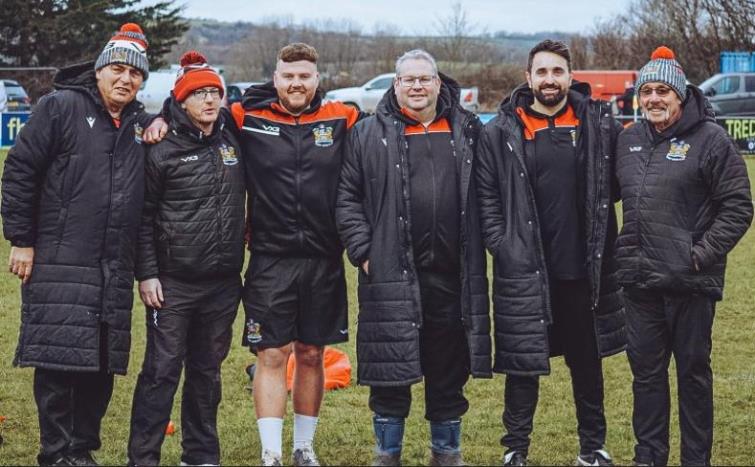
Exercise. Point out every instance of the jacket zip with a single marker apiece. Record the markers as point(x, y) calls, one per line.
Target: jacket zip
point(297, 177)
point(434, 222)
point(216, 175)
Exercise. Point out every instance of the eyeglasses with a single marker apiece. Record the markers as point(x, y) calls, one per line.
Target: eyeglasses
point(661, 91)
point(408, 81)
point(202, 94)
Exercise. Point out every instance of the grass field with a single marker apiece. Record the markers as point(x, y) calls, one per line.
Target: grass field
point(345, 433)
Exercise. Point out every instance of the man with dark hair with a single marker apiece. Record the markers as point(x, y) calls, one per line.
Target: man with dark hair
point(191, 251)
point(407, 214)
point(687, 202)
point(295, 289)
point(546, 204)
point(72, 193)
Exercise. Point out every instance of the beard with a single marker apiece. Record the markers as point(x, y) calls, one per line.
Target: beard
point(298, 107)
point(551, 100)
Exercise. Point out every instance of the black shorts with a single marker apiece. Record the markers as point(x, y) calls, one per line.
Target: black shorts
point(294, 299)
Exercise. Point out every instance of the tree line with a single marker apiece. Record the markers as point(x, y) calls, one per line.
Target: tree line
point(59, 32)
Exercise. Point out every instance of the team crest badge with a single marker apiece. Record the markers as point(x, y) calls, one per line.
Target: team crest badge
point(678, 151)
point(138, 131)
point(228, 154)
point(323, 135)
point(253, 329)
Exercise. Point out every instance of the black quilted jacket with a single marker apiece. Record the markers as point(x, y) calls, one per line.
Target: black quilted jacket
point(511, 231)
point(193, 219)
point(686, 198)
point(373, 215)
point(73, 187)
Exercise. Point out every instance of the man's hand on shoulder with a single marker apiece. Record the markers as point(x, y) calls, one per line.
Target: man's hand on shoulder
point(156, 131)
point(21, 261)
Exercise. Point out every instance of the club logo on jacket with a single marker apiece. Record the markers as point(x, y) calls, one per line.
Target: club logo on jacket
point(323, 135)
point(90, 121)
point(228, 154)
point(678, 151)
point(253, 335)
point(138, 132)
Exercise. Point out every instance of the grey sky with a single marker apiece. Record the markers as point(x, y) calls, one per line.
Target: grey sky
point(418, 17)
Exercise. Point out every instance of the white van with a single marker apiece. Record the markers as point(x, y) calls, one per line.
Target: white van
point(158, 86)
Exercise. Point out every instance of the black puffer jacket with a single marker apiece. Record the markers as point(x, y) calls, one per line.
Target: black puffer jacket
point(511, 231)
point(73, 187)
point(292, 166)
point(685, 194)
point(373, 214)
point(193, 220)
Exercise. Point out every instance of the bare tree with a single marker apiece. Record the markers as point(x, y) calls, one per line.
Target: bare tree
point(456, 31)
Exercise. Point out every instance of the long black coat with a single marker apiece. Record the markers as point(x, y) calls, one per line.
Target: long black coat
point(511, 231)
point(73, 189)
point(374, 219)
point(685, 194)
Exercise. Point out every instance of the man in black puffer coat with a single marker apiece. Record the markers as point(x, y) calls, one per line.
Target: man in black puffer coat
point(687, 202)
point(546, 202)
point(72, 195)
point(191, 251)
point(407, 215)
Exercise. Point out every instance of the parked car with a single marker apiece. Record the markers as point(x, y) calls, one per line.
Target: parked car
point(234, 91)
point(367, 96)
point(731, 93)
point(16, 99)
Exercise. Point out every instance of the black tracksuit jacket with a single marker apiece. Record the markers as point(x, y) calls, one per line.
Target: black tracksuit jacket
point(686, 198)
point(73, 187)
point(292, 170)
point(375, 218)
point(193, 220)
point(511, 231)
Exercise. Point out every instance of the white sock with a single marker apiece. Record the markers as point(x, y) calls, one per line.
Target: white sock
point(271, 433)
point(304, 431)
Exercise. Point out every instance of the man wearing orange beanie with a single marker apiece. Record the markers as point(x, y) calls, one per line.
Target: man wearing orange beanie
point(190, 254)
point(686, 201)
point(72, 194)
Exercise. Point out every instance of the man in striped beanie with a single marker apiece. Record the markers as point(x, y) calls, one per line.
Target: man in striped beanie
point(687, 202)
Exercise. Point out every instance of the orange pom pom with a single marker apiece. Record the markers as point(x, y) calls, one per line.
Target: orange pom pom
point(170, 430)
point(663, 52)
point(192, 57)
point(131, 27)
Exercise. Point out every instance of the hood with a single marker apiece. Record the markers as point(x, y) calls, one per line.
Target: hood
point(182, 124)
point(448, 101)
point(578, 97)
point(695, 110)
point(264, 95)
point(82, 78)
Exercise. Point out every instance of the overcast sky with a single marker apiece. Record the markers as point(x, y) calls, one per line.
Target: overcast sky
point(418, 16)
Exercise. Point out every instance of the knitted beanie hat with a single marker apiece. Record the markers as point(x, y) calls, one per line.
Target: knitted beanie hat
point(663, 68)
point(195, 73)
point(128, 46)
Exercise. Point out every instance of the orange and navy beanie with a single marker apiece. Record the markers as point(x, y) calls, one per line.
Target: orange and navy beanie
point(195, 73)
point(127, 46)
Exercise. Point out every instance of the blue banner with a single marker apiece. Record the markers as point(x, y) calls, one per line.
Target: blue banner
point(10, 124)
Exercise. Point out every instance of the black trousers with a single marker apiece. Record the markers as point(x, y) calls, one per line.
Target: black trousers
point(573, 332)
point(71, 405)
point(659, 325)
point(444, 356)
point(191, 330)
